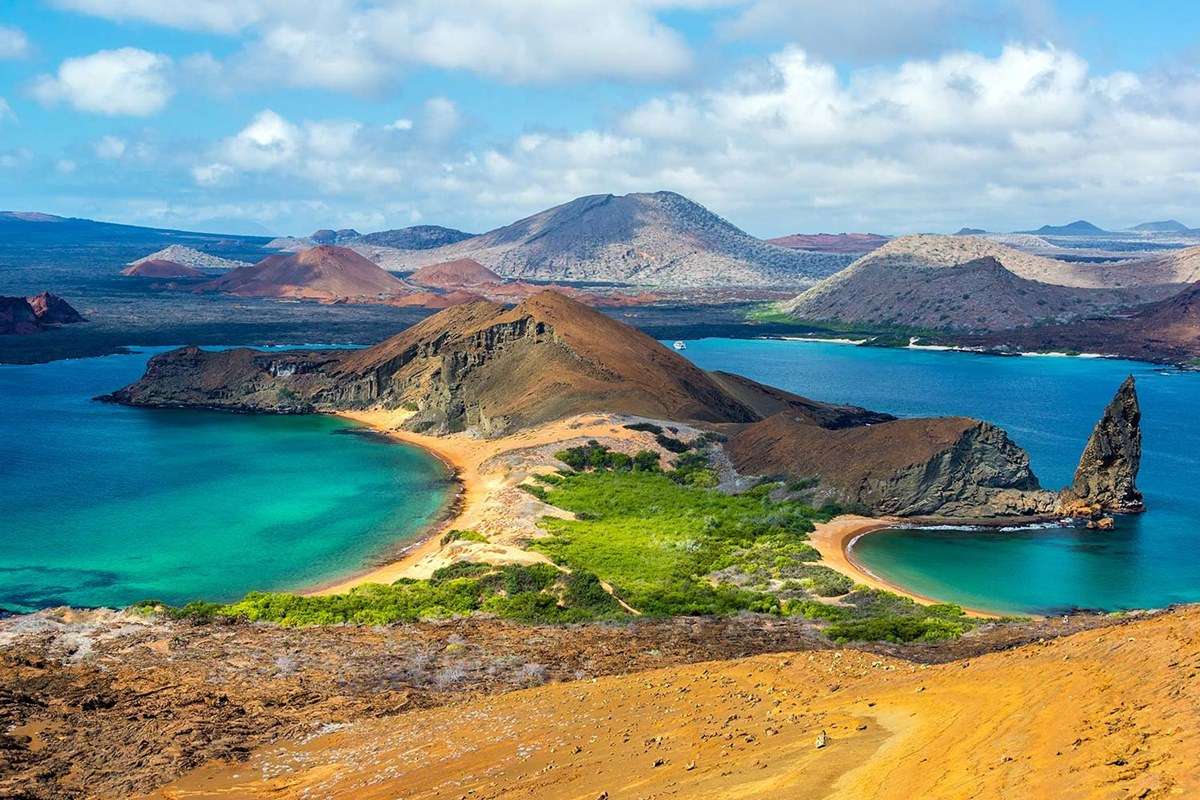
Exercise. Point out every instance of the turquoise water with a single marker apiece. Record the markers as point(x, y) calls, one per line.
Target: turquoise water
point(1048, 405)
point(105, 505)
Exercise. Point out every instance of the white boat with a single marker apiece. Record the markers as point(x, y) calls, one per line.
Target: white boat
point(680, 345)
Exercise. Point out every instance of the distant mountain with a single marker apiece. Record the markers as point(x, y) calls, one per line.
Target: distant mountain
point(852, 243)
point(417, 237)
point(970, 232)
point(160, 268)
point(1168, 330)
point(30, 216)
point(1163, 226)
point(326, 236)
point(659, 239)
point(188, 257)
point(325, 273)
point(464, 272)
point(961, 283)
point(37, 229)
point(1079, 227)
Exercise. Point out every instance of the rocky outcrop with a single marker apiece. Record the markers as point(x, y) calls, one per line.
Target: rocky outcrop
point(24, 315)
point(1106, 479)
point(17, 316)
point(947, 466)
point(50, 309)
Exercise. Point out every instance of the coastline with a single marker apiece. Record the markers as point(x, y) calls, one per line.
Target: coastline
point(488, 473)
point(835, 539)
point(481, 499)
point(464, 498)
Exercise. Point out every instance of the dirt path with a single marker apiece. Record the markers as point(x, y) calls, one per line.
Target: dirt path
point(1108, 713)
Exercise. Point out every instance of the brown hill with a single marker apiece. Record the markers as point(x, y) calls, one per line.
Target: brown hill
point(976, 295)
point(850, 243)
point(161, 268)
point(1166, 331)
point(494, 371)
point(457, 274)
point(319, 273)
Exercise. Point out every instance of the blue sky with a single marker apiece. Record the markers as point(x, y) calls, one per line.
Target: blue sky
point(781, 115)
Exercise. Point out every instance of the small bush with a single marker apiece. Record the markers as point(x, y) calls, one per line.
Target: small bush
point(465, 536)
point(672, 444)
point(647, 427)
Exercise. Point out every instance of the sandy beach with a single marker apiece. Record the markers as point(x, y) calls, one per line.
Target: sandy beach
point(488, 472)
point(834, 540)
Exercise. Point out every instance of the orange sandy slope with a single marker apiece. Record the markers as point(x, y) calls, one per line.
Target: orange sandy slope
point(1112, 713)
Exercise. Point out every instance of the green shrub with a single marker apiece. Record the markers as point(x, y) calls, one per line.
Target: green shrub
point(647, 427)
point(466, 536)
point(897, 629)
point(672, 444)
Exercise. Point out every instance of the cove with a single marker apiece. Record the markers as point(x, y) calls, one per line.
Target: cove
point(104, 505)
point(1048, 405)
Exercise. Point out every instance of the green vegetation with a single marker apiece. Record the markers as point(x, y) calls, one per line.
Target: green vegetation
point(537, 593)
point(595, 456)
point(465, 536)
point(667, 542)
point(670, 545)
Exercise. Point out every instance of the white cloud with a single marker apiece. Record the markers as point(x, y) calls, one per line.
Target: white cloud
point(65, 166)
point(401, 124)
point(221, 16)
point(211, 174)
point(875, 30)
point(6, 112)
point(13, 43)
point(127, 81)
point(110, 147)
point(516, 41)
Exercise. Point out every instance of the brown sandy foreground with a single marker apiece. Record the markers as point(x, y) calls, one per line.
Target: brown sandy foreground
point(1112, 712)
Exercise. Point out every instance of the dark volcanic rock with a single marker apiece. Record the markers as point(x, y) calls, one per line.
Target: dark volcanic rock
point(1106, 478)
point(947, 466)
point(51, 309)
point(17, 316)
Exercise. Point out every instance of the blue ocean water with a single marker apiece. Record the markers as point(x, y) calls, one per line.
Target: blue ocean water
point(1048, 405)
point(106, 505)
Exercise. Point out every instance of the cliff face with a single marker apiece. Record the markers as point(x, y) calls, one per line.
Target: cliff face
point(1106, 479)
point(948, 466)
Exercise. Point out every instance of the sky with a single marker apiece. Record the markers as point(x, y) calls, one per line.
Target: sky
point(783, 116)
